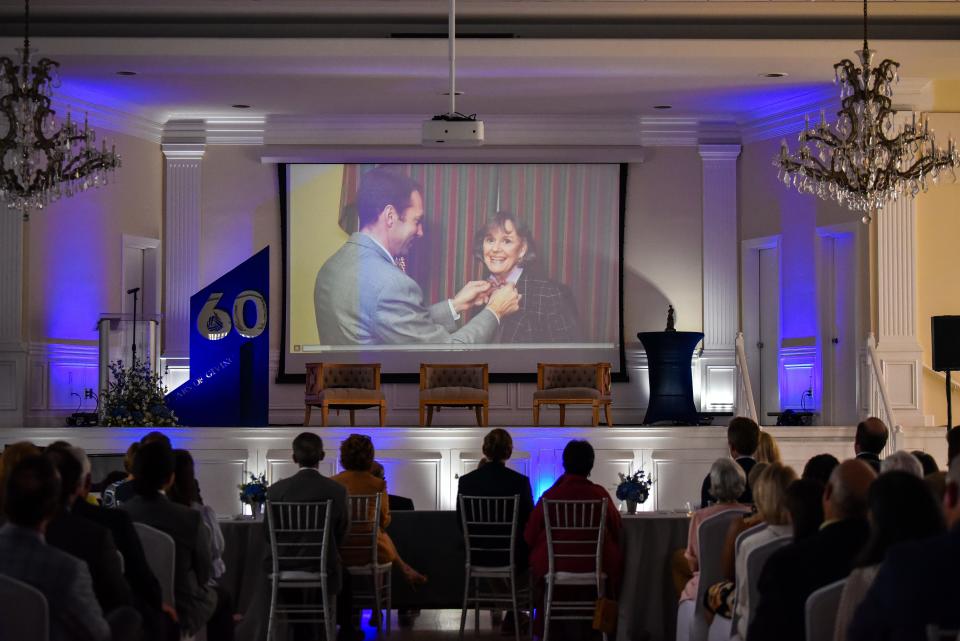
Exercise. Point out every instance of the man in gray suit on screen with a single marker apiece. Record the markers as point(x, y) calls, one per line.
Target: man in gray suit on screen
point(362, 295)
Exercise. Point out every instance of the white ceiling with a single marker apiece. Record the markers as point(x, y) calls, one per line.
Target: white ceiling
point(706, 78)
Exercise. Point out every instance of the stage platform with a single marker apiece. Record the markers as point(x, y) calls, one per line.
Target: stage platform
point(425, 463)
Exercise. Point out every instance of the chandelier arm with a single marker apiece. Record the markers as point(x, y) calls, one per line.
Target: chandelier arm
point(865, 47)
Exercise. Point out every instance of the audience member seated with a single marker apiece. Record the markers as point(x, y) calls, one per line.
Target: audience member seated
point(397, 503)
point(917, 582)
point(727, 481)
point(819, 468)
point(84, 539)
point(953, 444)
point(743, 436)
point(159, 619)
point(186, 491)
point(32, 492)
point(574, 485)
point(928, 462)
point(356, 459)
point(116, 493)
point(198, 604)
point(767, 450)
point(770, 497)
point(13, 454)
point(793, 572)
point(869, 441)
point(737, 526)
point(308, 485)
point(902, 461)
point(901, 509)
point(805, 504)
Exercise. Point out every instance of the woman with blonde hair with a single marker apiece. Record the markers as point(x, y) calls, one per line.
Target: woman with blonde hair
point(769, 495)
point(767, 450)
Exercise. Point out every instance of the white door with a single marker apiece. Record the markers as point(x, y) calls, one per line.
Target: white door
point(838, 301)
point(769, 334)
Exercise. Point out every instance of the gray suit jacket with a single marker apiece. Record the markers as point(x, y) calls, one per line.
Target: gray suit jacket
point(64, 580)
point(196, 600)
point(362, 298)
point(308, 485)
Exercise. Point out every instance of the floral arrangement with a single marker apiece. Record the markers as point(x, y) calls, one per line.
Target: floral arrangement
point(255, 490)
point(634, 487)
point(135, 398)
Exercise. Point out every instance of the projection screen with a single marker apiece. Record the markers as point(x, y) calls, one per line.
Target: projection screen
point(507, 264)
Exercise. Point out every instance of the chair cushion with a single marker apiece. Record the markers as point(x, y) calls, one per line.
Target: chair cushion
point(454, 377)
point(575, 578)
point(453, 394)
point(569, 376)
point(567, 392)
point(346, 394)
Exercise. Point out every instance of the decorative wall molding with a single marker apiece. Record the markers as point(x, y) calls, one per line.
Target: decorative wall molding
point(12, 348)
point(799, 368)
point(58, 374)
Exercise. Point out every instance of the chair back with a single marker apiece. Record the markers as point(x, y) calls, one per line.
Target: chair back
point(575, 532)
point(711, 535)
point(753, 529)
point(490, 529)
point(476, 376)
point(24, 613)
point(321, 376)
point(936, 633)
point(360, 544)
point(161, 553)
point(755, 562)
point(821, 611)
point(559, 375)
point(299, 534)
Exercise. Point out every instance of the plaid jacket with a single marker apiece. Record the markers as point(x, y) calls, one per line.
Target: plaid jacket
point(548, 313)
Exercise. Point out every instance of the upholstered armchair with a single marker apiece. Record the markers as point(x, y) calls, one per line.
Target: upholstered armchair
point(343, 386)
point(454, 386)
point(573, 384)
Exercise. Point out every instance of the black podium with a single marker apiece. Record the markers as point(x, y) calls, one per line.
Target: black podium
point(669, 356)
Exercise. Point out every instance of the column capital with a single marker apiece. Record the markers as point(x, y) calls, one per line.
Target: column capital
point(183, 151)
point(720, 152)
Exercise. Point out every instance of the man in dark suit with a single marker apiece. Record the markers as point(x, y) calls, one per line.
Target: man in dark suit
point(917, 582)
point(869, 441)
point(308, 485)
point(795, 571)
point(32, 498)
point(743, 436)
point(198, 604)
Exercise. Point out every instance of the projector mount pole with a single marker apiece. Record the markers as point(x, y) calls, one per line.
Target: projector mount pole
point(452, 55)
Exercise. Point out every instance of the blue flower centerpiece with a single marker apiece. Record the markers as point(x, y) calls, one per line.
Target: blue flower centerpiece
point(254, 493)
point(634, 489)
point(135, 398)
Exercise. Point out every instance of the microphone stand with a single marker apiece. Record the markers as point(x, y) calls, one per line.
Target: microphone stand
point(133, 347)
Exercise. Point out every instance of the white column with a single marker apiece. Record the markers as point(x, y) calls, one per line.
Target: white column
point(720, 292)
point(13, 349)
point(181, 242)
point(897, 345)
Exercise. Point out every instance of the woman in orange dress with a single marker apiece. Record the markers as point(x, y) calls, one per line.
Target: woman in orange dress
point(356, 458)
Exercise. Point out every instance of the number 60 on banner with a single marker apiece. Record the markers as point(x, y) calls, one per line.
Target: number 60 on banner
point(214, 324)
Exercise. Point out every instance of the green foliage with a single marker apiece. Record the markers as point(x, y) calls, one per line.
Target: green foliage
point(135, 398)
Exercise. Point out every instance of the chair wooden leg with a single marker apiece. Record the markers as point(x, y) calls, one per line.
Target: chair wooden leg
point(383, 414)
point(563, 414)
point(306, 416)
point(486, 414)
point(429, 415)
point(606, 415)
point(536, 413)
point(324, 414)
point(478, 410)
point(596, 414)
point(421, 415)
point(353, 418)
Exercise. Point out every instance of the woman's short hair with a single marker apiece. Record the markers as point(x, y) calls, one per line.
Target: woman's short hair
point(819, 468)
point(727, 480)
point(184, 489)
point(770, 493)
point(499, 221)
point(767, 450)
point(903, 461)
point(497, 445)
point(307, 449)
point(356, 453)
point(578, 458)
point(928, 462)
point(153, 466)
point(805, 504)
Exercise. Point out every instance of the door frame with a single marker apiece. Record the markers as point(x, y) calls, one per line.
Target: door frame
point(750, 306)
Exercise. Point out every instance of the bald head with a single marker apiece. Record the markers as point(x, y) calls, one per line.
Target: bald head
point(845, 496)
point(871, 436)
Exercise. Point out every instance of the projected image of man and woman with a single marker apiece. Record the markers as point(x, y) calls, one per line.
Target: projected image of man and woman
point(461, 254)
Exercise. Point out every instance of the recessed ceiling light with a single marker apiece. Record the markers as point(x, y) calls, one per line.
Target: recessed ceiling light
point(456, 93)
point(240, 106)
point(774, 74)
point(663, 106)
point(126, 73)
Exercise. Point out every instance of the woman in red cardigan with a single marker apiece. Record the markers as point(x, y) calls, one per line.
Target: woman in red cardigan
point(574, 485)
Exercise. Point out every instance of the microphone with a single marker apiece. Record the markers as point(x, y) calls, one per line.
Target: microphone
point(133, 291)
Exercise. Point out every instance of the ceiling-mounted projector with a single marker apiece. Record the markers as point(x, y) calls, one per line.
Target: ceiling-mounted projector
point(452, 130)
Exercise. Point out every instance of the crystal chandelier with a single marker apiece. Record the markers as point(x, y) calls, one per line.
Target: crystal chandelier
point(865, 160)
point(39, 161)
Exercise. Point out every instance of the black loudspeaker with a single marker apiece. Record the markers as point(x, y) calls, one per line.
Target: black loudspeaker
point(946, 343)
